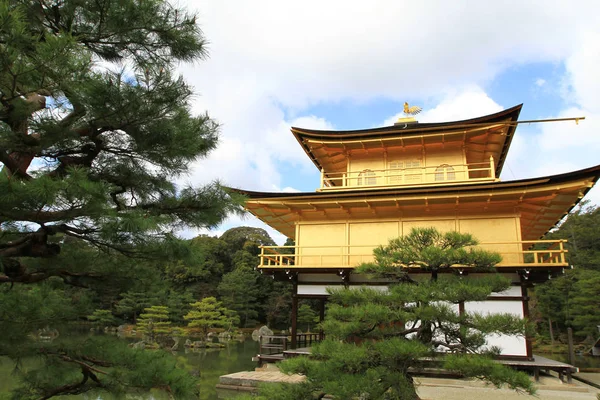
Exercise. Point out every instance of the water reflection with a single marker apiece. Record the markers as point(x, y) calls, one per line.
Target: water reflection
point(207, 364)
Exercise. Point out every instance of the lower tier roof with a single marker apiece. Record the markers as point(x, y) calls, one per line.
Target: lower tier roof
point(540, 202)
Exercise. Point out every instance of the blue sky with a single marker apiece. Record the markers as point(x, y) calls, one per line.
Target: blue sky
point(352, 64)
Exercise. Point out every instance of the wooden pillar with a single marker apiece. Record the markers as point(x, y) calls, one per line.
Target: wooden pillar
point(321, 317)
point(294, 314)
point(528, 343)
point(571, 349)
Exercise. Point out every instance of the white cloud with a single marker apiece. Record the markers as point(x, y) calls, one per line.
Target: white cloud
point(314, 51)
point(271, 59)
point(289, 189)
point(565, 147)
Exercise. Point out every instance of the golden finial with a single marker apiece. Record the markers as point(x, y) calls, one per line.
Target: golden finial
point(414, 110)
point(408, 115)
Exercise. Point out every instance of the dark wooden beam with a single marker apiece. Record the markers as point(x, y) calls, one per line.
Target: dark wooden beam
point(294, 314)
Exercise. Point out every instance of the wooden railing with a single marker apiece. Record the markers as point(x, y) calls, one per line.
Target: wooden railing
point(527, 253)
point(277, 344)
point(446, 173)
point(269, 345)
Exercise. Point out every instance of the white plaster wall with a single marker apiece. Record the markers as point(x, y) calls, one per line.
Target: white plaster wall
point(304, 277)
point(510, 345)
point(322, 289)
point(513, 291)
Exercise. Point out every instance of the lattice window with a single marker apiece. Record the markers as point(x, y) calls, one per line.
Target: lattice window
point(395, 172)
point(445, 173)
point(407, 171)
point(367, 178)
point(413, 171)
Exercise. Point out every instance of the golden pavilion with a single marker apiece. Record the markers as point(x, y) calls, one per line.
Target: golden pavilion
point(377, 184)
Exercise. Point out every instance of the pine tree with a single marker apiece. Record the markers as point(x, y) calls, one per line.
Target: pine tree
point(154, 323)
point(376, 339)
point(102, 318)
point(95, 128)
point(239, 292)
point(209, 313)
point(570, 299)
point(306, 316)
point(133, 303)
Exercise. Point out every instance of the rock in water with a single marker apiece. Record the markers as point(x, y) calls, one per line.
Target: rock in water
point(265, 331)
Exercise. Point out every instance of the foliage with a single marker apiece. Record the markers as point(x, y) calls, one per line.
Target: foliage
point(581, 229)
point(102, 318)
point(239, 292)
point(154, 323)
point(430, 250)
point(105, 360)
point(133, 303)
point(179, 305)
point(376, 339)
point(278, 305)
point(201, 272)
point(95, 129)
point(209, 313)
point(569, 300)
point(306, 316)
point(248, 239)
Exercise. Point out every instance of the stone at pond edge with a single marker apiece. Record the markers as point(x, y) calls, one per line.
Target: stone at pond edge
point(141, 345)
point(263, 331)
point(202, 345)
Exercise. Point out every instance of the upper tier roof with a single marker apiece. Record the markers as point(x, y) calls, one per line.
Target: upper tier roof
point(482, 137)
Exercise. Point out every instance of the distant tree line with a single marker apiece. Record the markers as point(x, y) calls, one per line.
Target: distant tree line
point(571, 300)
point(221, 267)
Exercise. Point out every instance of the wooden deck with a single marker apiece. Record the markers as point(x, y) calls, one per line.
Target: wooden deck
point(434, 388)
point(276, 348)
point(538, 364)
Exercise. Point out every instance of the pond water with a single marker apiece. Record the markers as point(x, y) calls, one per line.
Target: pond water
point(209, 363)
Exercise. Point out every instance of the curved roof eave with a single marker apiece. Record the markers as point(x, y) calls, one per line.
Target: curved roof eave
point(591, 172)
point(415, 128)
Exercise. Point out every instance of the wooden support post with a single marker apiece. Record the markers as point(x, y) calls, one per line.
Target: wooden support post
point(322, 178)
point(294, 316)
point(528, 342)
point(536, 374)
point(321, 317)
point(571, 350)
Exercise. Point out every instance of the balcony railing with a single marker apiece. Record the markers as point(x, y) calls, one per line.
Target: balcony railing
point(529, 253)
point(446, 173)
